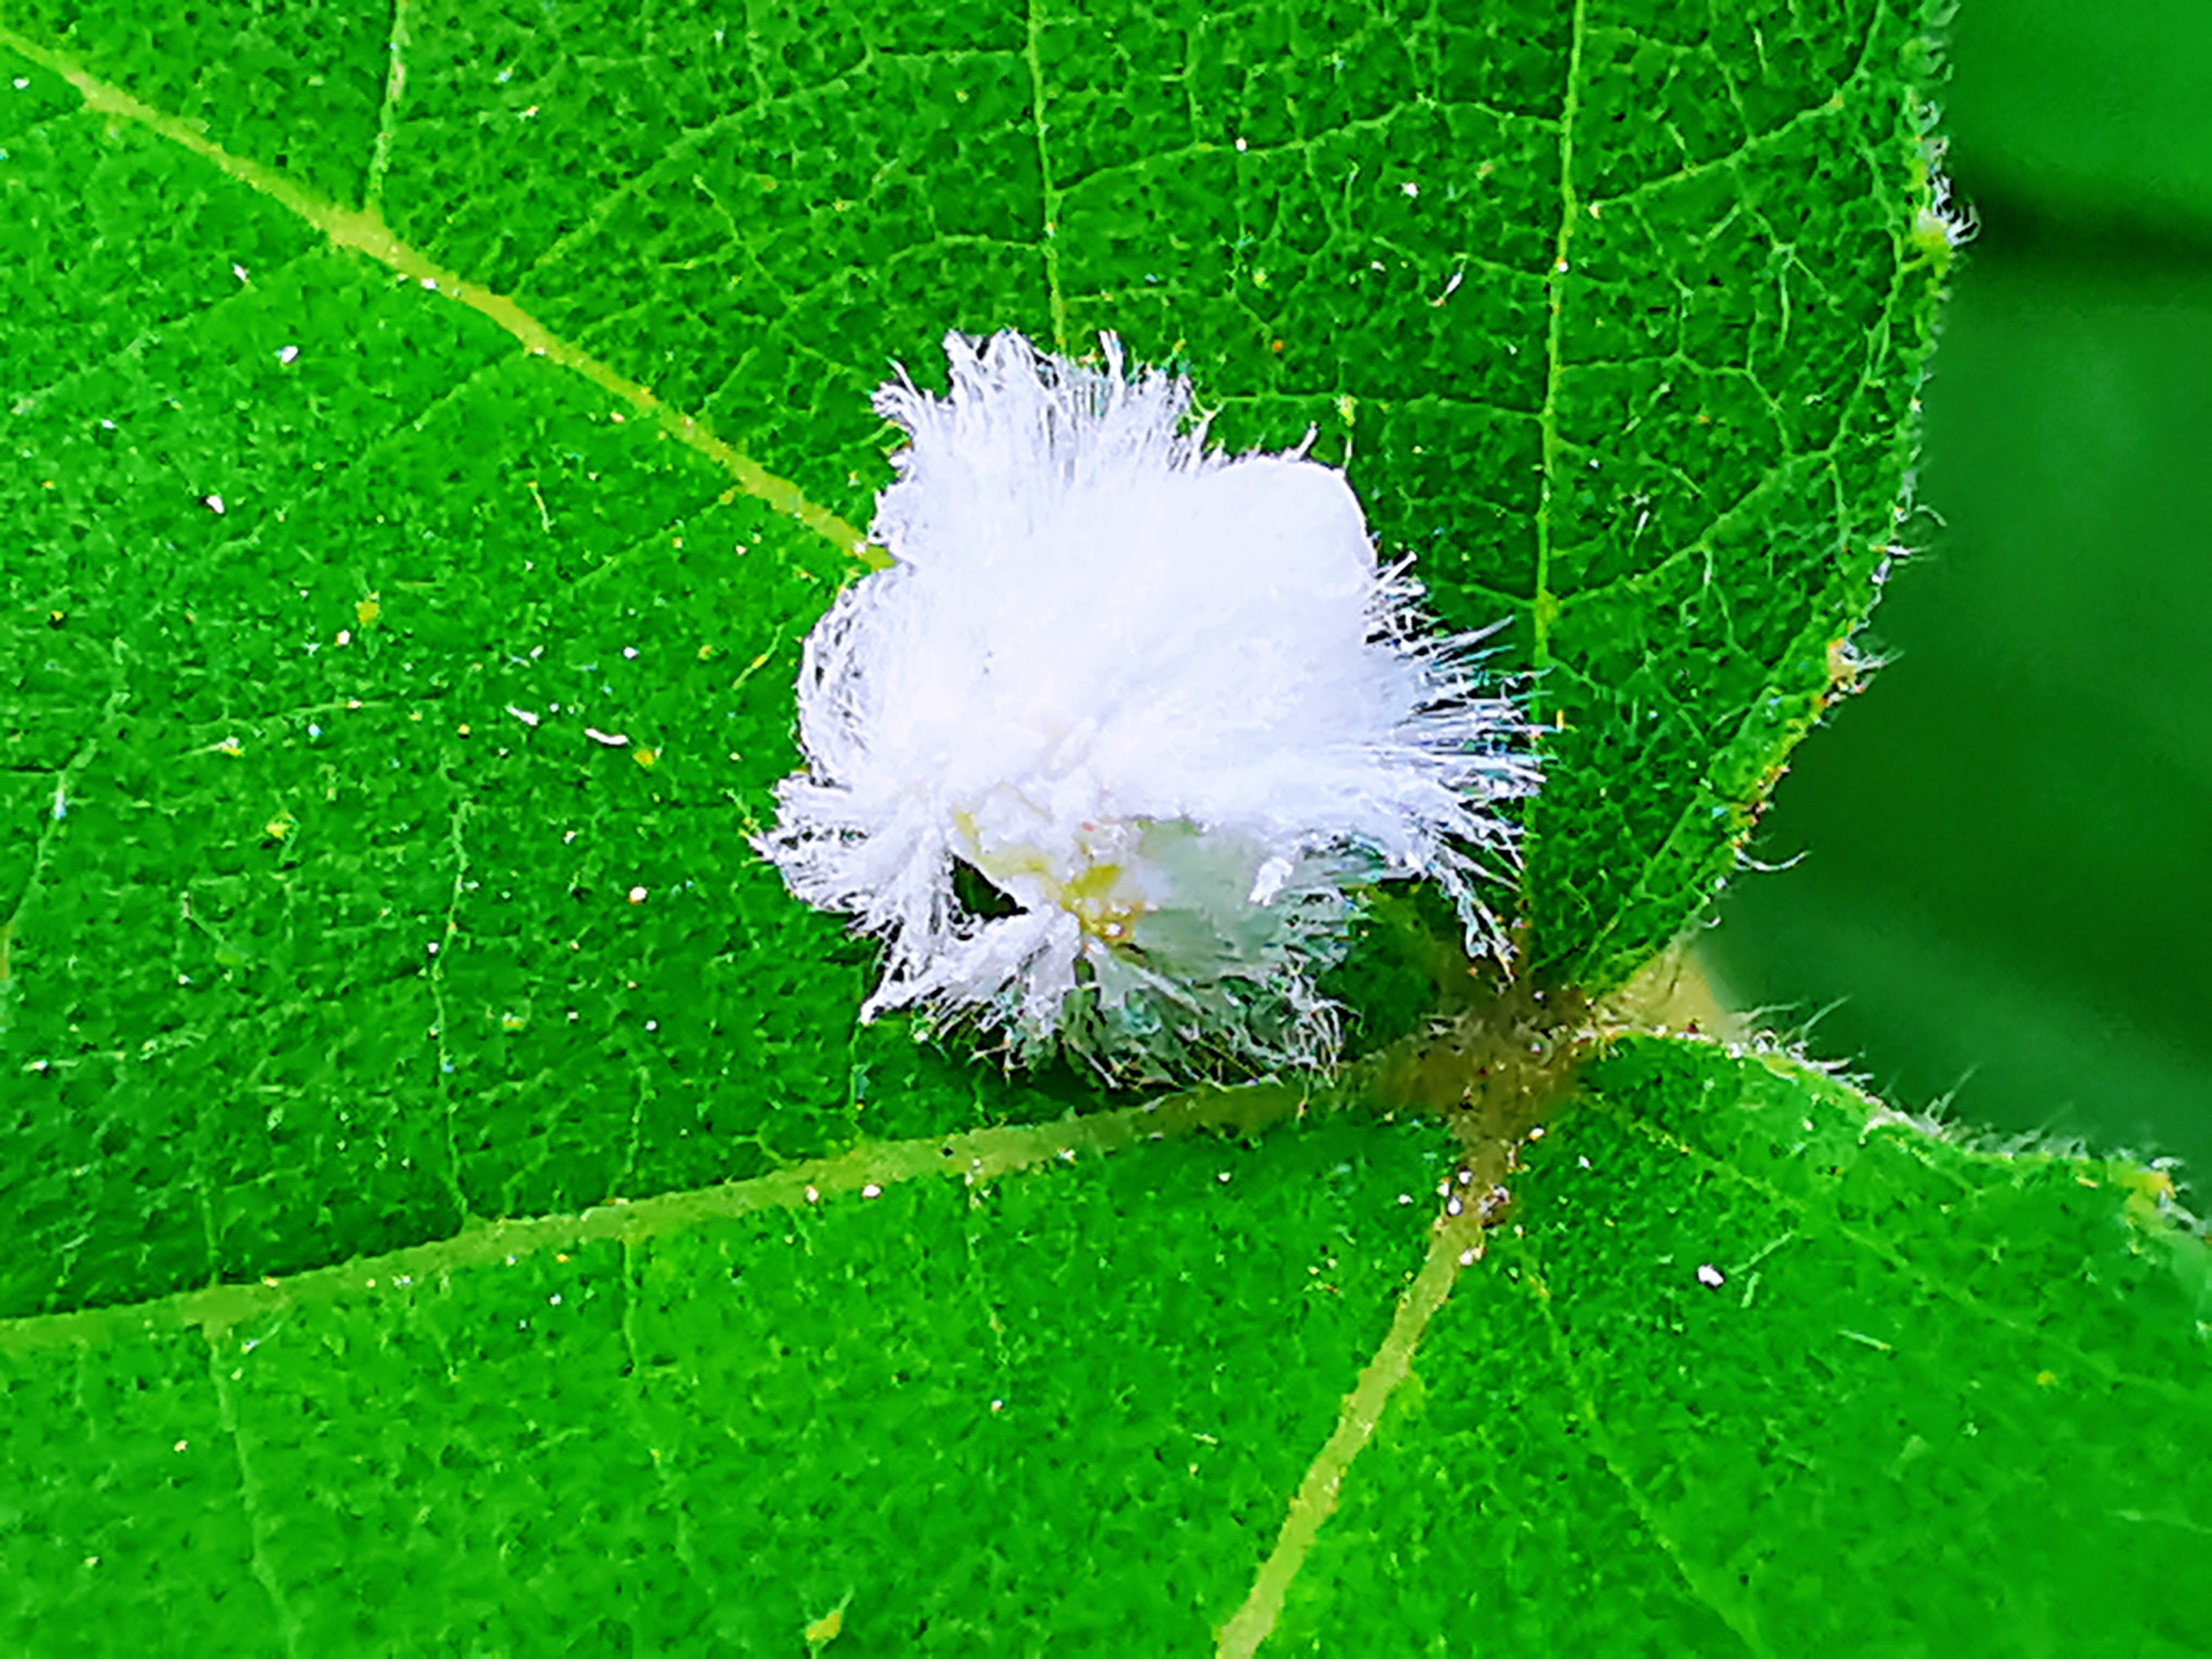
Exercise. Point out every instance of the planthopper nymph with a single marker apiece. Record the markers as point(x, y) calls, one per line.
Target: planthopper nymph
point(1106, 754)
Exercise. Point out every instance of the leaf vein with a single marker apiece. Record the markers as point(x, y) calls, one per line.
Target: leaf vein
point(364, 231)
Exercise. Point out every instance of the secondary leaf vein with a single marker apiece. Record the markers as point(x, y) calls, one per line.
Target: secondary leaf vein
point(363, 229)
point(1455, 1243)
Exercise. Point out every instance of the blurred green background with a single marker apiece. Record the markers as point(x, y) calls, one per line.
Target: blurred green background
point(2006, 896)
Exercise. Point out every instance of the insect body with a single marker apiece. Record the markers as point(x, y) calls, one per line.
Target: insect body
point(1165, 703)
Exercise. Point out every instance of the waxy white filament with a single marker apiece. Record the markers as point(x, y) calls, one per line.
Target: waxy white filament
point(1162, 701)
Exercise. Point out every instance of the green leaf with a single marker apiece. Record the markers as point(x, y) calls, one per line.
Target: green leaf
point(1758, 1357)
point(998, 1411)
point(2073, 386)
point(1066, 1398)
point(444, 1156)
point(356, 1033)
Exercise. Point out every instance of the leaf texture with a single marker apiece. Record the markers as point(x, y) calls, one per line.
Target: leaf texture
point(332, 941)
point(428, 441)
point(1760, 1367)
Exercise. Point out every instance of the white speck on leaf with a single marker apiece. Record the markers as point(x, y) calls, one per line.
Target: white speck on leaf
point(1709, 1276)
point(612, 739)
point(214, 504)
point(1165, 706)
point(288, 354)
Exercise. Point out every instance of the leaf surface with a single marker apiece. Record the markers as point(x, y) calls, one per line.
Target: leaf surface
point(1760, 1367)
point(429, 447)
point(1935, 1395)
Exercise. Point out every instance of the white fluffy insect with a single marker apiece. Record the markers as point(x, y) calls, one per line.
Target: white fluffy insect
point(1107, 753)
